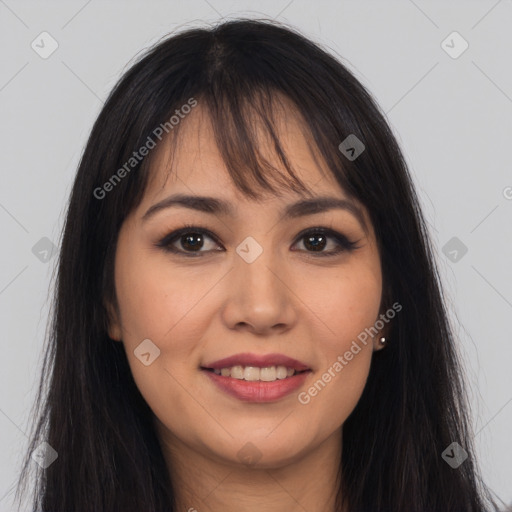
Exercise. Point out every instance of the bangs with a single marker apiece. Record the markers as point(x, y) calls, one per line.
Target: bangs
point(247, 89)
point(247, 132)
point(247, 129)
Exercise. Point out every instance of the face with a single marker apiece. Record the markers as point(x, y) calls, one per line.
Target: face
point(250, 283)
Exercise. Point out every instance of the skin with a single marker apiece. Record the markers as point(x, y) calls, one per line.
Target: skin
point(197, 310)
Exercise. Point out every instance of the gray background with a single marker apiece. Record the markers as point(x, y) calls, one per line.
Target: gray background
point(452, 118)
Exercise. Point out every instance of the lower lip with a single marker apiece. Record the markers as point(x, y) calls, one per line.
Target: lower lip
point(258, 391)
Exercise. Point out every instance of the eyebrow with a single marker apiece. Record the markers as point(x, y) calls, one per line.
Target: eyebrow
point(217, 206)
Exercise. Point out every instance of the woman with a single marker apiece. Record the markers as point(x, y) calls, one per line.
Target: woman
point(248, 313)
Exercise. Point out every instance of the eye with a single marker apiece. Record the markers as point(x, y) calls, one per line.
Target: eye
point(315, 240)
point(190, 240)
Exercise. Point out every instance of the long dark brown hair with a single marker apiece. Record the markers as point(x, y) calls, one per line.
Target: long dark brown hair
point(88, 407)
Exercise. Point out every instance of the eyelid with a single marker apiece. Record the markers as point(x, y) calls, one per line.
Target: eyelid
point(344, 244)
point(165, 242)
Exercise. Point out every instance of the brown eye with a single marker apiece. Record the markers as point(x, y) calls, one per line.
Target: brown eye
point(190, 240)
point(315, 242)
point(317, 239)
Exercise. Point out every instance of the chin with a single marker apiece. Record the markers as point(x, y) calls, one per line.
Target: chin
point(260, 452)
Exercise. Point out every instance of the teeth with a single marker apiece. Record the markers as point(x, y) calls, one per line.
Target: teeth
point(251, 373)
point(254, 373)
point(270, 374)
point(237, 372)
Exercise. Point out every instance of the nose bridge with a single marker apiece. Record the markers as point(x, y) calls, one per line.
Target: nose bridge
point(255, 270)
point(258, 295)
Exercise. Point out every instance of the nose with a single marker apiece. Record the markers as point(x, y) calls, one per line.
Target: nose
point(259, 297)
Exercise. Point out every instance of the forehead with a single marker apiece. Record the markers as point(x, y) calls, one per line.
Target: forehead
point(190, 159)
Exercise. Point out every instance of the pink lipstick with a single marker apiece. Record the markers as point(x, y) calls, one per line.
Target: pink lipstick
point(257, 378)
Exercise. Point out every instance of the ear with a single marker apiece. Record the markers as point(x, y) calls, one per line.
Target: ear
point(114, 325)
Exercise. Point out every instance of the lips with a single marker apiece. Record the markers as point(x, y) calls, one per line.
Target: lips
point(259, 361)
point(292, 375)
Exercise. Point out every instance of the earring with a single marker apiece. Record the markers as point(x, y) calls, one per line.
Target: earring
point(383, 341)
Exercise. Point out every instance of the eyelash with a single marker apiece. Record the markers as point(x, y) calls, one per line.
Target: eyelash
point(344, 244)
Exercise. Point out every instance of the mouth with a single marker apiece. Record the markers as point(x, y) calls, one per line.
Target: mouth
point(255, 373)
point(256, 378)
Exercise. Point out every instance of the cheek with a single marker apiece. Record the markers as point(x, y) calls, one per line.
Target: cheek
point(170, 307)
point(163, 305)
point(348, 305)
point(346, 302)
point(155, 298)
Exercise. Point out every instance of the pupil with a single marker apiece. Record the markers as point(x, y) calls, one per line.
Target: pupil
point(193, 241)
point(316, 246)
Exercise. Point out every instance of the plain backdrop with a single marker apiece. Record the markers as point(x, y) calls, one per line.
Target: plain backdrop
point(450, 111)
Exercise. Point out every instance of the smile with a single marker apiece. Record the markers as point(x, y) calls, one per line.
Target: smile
point(254, 373)
point(257, 377)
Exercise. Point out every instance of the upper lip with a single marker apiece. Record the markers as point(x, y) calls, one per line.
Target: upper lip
point(260, 361)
